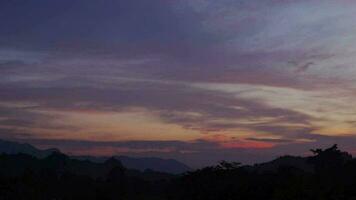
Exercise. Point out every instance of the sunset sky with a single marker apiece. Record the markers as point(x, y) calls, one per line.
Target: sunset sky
point(195, 80)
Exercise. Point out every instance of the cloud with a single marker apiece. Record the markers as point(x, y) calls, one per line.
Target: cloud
point(270, 140)
point(206, 41)
point(187, 106)
point(201, 41)
point(20, 56)
point(304, 67)
point(271, 72)
point(20, 118)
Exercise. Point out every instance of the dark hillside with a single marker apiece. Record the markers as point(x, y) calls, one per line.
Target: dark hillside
point(329, 174)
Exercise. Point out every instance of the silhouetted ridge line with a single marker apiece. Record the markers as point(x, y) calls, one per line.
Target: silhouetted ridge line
point(327, 174)
point(142, 164)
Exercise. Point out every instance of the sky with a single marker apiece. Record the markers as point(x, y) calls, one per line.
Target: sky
point(194, 80)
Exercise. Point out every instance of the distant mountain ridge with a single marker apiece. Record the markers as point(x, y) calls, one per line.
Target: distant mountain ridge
point(284, 161)
point(15, 165)
point(9, 147)
point(157, 164)
point(142, 163)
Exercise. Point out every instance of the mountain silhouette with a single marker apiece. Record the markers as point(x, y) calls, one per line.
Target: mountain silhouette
point(328, 174)
point(142, 163)
point(284, 161)
point(58, 176)
point(156, 164)
point(10, 147)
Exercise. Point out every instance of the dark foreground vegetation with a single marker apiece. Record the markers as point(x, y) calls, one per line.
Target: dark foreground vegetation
point(328, 174)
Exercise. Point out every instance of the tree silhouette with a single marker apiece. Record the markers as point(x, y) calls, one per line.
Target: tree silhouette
point(329, 159)
point(329, 174)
